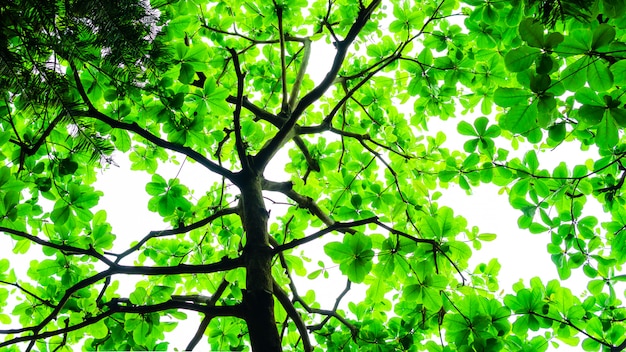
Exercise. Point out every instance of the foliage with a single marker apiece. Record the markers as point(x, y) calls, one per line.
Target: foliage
point(225, 85)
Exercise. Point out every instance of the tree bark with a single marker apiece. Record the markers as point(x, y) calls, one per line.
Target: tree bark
point(258, 299)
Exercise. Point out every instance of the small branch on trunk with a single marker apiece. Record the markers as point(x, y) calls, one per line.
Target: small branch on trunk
point(312, 163)
point(176, 231)
point(327, 313)
point(304, 202)
point(337, 301)
point(115, 307)
point(259, 113)
point(283, 298)
point(207, 317)
point(64, 248)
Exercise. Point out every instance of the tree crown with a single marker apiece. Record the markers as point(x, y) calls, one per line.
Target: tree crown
point(225, 85)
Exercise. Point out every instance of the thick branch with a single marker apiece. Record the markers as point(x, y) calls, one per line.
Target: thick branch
point(32, 149)
point(135, 128)
point(617, 186)
point(231, 311)
point(264, 156)
point(621, 347)
point(304, 202)
point(334, 310)
point(327, 313)
point(116, 308)
point(66, 249)
point(223, 265)
point(312, 163)
point(283, 298)
point(176, 231)
point(207, 317)
point(337, 226)
point(68, 293)
point(257, 111)
point(327, 122)
point(192, 154)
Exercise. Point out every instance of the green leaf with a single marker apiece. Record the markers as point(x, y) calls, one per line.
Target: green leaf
point(554, 39)
point(60, 215)
point(577, 42)
point(607, 133)
point(589, 97)
point(574, 75)
point(520, 119)
point(121, 139)
point(337, 251)
point(466, 129)
point(595, 286)
point(557, 132)
point(540, 83)
point(432, 299)
point(139, 296)
point(603, 35)
point(161, 293)
point(469, 147)
point(618, 70)
point(508, 97)
point(619, 115)
point(67, 167)
point(110, 95)
point(520, 59)
point(356, 201)
point(141, 332)
point(590, 344)
point(215, 98)
point(166, 205)
point(354, 256)
point(599, 76)
point(531, 31)
point(488, 237)
point(536, 228)
point(544, 64)
point(591, 114)
point(187, 73)
point(155, 188)
point(99, 330)
point(22, 246)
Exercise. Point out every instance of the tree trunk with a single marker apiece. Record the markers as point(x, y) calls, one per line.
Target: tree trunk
point(258, 299)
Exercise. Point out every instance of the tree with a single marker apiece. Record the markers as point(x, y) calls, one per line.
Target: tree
point(225, 85)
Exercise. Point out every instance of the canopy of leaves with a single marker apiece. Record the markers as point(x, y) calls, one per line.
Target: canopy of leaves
point(225, 84)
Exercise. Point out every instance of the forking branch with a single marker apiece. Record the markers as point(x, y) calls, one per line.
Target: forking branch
point(286, 132)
